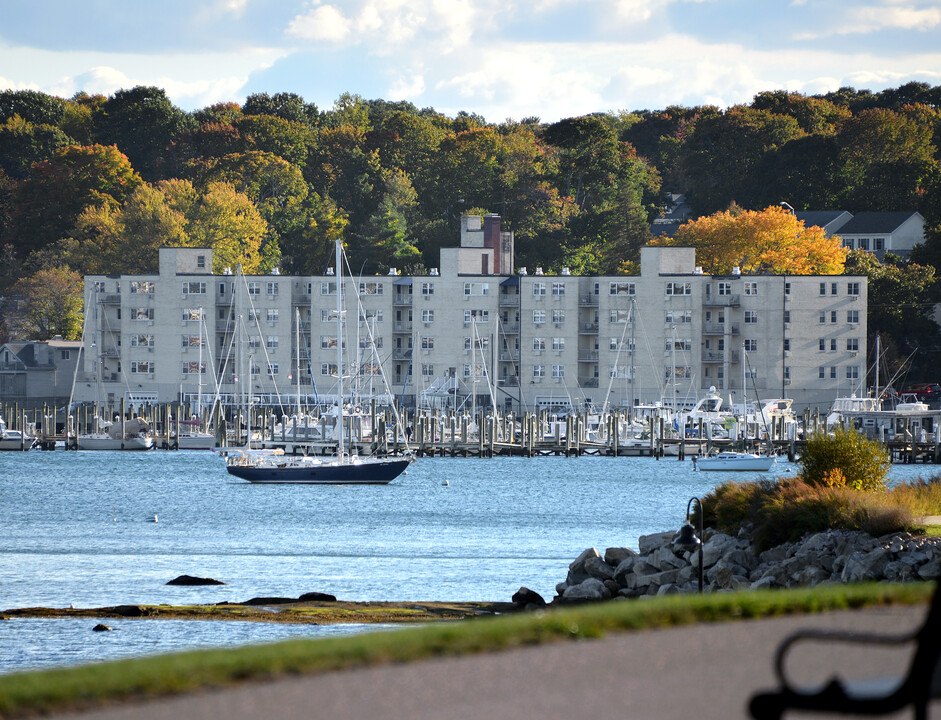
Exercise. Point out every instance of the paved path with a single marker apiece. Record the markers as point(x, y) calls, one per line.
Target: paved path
point(698, 672)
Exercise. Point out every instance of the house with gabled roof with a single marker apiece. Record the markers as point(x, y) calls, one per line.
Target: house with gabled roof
point(884, 232)
point(34, 373)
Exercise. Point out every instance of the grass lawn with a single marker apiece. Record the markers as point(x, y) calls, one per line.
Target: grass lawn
point(91, 685)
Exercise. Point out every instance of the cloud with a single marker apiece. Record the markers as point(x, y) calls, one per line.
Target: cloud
point(407, 88)
point(868, 19)
point(325, 23)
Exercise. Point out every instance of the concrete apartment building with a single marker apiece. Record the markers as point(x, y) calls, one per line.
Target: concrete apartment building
point(477, 330)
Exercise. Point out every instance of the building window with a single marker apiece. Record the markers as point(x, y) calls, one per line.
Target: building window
point(145, 314)
point(677, 288)
point(328, 288)
point(834, 288)
point(863, 243)
point(787, 288)
point(327, 342)
point(823, 288)
point(192, 314)
point(539, 371)
point(558, 288)
point(254, 342)
point(822, 345)
point(539, 344)
point(832, 344)
point(822, 372)
point(852, 344)
point(679, 317)
point(476, 288)
point(370, 288)
point(751, 288)
point(787, 372)
point(141, 367)
point(558, 343)
point(328, 368)
point(852, 372)
point(427, 289)
point(725, 288)
point(142, 340)
point(539, 317)
point(558, 316)
point(201, 261)
point(272, 342)
point(191, 341)
point(146, 287)
point(539, 288)
point(271, 289)
point(619, 316)
point(751, 346)
point(621, 288)
point(878, 244)
point(852, 288)
point(272, 314)
point(254, 288)
point(427, 370)
point(833, 316)
point(272, 369)
point(193, 367)
point(558, 371)
point(751, 317)
point(787, 344)
point(477, 316)
point(823, 316)
point(427, 316)
point(787, 316)
point(852, 316)
point(833, 372)
point(99, 286)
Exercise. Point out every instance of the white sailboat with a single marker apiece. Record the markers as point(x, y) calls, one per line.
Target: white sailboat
point(273, 467)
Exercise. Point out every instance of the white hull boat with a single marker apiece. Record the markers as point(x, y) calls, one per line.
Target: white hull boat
point(103, 441)
point(735, 461)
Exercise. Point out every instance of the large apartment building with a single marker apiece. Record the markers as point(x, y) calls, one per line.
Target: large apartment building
point(477, 331)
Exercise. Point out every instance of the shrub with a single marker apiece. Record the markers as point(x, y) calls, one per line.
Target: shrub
point(921, 496)
point(845, 457)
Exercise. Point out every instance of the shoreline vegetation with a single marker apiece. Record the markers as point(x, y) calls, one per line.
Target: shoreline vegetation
point(93, 685)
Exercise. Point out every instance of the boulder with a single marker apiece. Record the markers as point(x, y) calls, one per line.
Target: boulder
point(591, 589)
point(597, 568)
point(317, 597)
point(101, 627)
point(524, 596)
point(578, 564)
point(133, 611)
point(625, 568)
point(864, 566)
point(192, 581)
point(269, 601)
point(648, 543)
point(614, 556)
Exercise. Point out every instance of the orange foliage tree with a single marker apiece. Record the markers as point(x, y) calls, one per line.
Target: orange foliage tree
point(771, 241)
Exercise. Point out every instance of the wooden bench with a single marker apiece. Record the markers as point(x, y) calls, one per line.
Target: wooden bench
point(916, 688)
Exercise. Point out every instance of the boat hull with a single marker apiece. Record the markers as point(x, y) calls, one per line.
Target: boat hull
point(755, 463)
point(11, 440)
point(105, 442)
point(364, 472)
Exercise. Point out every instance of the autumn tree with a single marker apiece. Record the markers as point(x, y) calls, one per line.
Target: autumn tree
point(46, 205)
point(52, 302)
point(770, 241)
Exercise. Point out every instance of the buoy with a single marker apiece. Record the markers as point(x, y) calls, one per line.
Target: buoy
point(152, 519)
point(446, 483)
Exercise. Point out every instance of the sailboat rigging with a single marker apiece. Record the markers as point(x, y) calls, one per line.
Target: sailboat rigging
point(273, 467)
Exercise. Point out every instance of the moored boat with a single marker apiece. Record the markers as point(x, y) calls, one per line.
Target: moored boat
point(729, 460)
point(15, 439)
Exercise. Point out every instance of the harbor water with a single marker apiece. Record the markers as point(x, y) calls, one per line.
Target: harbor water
point(93, 529)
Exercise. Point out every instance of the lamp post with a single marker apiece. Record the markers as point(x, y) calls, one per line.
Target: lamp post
point(686, 538)
point(788, 207)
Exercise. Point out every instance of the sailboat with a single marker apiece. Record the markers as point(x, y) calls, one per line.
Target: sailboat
point(274, 467)
point(191, 436)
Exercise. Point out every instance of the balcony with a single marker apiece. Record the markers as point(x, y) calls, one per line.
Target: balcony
point(720, 356)
point(590, 300)
point(402, 300)
point(720, 328)
point(509, 300)
point(588, 382)
point(509, 381)
point(710, 300)
point(510, 356)
point(510, 328)
point(588, 356)
point(587, 328)
point(404, 326)
point(401, 354)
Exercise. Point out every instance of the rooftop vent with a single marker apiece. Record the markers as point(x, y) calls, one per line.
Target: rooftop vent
point(539, 271)
point(329, 271)
point(523, 270)
point(566, 271)
point(393, 271)
point(736, 270)
point(434, 272)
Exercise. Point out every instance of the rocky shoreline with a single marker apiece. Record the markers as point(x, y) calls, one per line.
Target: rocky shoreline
point(658, 567)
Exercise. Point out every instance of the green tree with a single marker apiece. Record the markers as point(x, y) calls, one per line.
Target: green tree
point(845, 458)
point(289, 140)
point(52, 304)
point(34, 107)
point(143, 123)
point(22, 143)
point(308, 245)
point(287, 106)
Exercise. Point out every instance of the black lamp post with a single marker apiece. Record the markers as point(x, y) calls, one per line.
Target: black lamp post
point(687, 539)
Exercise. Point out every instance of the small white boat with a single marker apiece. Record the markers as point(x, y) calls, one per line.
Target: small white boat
point(728, 460)
point(14, 439)
point(136, 436)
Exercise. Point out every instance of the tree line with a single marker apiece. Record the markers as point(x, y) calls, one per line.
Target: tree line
point(94, 184)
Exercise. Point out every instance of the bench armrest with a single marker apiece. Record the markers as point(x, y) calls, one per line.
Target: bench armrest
point(831, 635)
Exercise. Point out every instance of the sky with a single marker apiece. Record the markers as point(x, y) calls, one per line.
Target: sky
point(500, 59)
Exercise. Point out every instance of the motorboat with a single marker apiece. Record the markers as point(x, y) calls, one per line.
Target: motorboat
point(15, 439)
point(730, 460)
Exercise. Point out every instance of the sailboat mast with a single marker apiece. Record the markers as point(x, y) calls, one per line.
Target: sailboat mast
point(339, 274)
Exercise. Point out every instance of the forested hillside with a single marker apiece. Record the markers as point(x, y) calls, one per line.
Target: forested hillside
point(96, 184)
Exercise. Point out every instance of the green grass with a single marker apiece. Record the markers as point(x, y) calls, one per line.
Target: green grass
point(92, 685)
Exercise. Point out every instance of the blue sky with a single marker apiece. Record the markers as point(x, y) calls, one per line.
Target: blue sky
point(497, 58)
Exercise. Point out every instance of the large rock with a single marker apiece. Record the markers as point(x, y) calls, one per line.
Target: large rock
point(865, 566)
point(625, 568)
point(614, 556)
point(591, 589)
point(648, 543)
point(317, 597)
point(525, 597)
point(190, 580)
point(598, 568)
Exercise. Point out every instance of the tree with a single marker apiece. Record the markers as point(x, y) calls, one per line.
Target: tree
point(229, 223)
point(308, 245)
point(143, 123)
point(22, 143)
point(286, 139)
point(32, 106)
point(46, 206)
point(845, 458)
point(52, 304)
point(287, 106)
point(771, 241)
